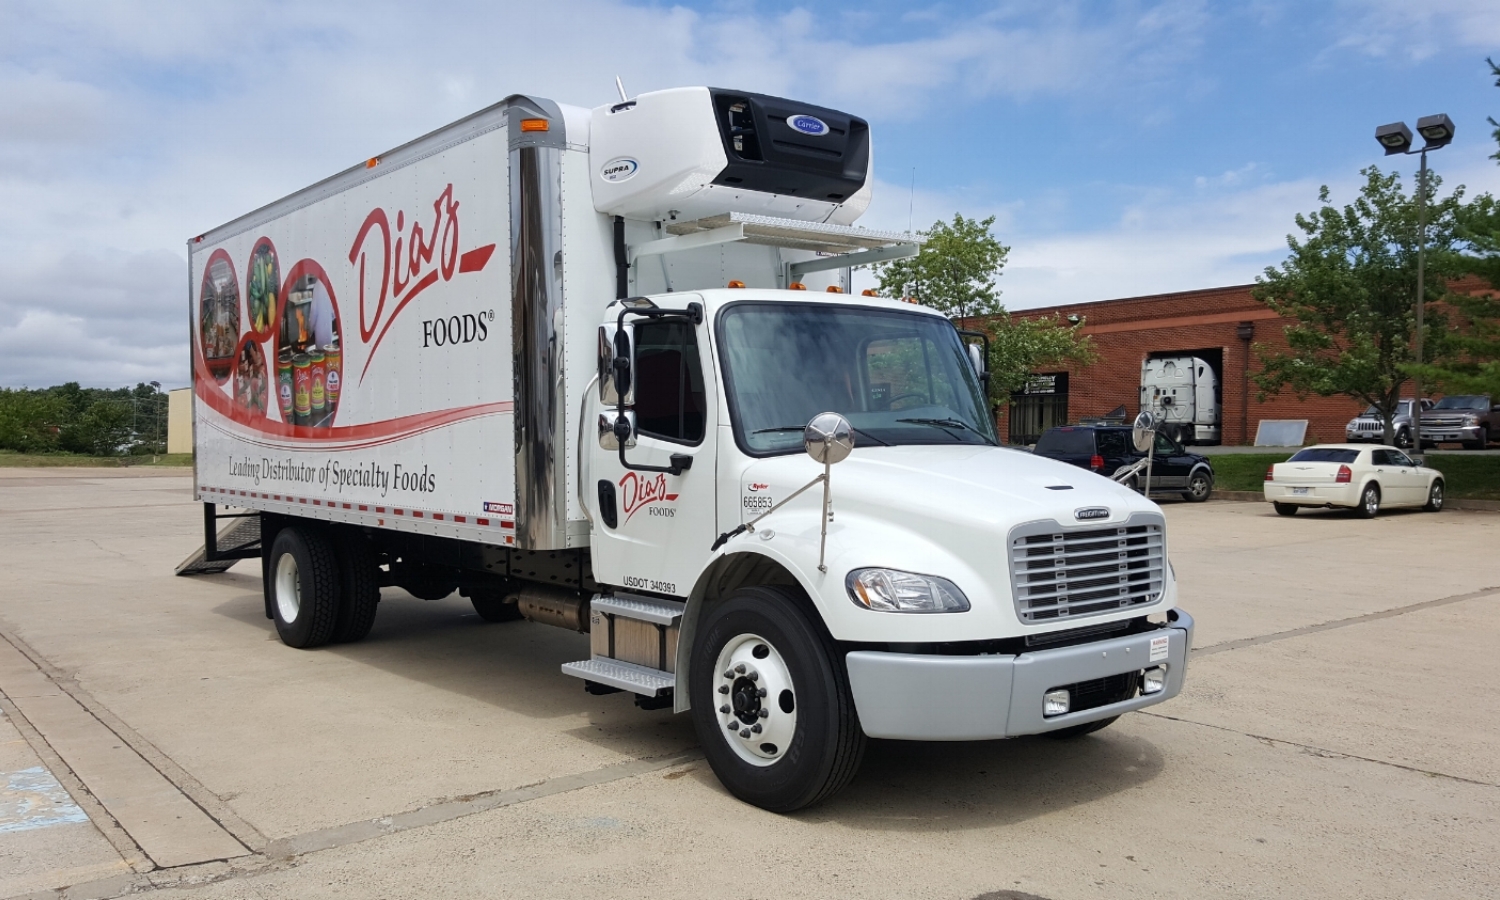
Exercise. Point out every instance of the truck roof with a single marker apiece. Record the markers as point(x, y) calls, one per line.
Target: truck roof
point(717, 297)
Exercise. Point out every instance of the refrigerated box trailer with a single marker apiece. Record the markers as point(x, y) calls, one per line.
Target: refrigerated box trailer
point(573, 364)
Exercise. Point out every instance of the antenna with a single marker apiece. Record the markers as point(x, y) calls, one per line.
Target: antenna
point(912, 202)
point(620, 86)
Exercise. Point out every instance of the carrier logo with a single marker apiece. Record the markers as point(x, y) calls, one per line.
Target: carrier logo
point(757, 487)
point(1091, 512)
point(810, 125)
point(621, 168)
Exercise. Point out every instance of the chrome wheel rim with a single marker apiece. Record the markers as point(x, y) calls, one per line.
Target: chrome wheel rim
point(755, 700)
point(288, 589)
point(1435, 496)
point(1372, 501)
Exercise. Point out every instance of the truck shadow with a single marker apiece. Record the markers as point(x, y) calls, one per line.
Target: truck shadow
point(939, 786)
point(902, 785)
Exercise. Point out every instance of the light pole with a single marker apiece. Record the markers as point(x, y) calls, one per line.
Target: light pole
point(1437, 133)
point(155, 419)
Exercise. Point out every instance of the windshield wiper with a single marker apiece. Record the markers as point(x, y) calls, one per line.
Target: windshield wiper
point(947, 424)
point(786, 428)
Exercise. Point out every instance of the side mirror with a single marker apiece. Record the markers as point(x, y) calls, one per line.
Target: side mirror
point(616, 355)
point(976, 359)
point(828, 438)
point(613, 427)
point(1419, 460)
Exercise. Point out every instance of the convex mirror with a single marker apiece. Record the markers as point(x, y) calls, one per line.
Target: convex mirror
point(1143, 431)
point(616, 364)
point(828, 438)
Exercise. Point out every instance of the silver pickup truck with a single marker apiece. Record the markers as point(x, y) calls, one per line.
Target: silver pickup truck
point(1368, 428)
point(1470, 419)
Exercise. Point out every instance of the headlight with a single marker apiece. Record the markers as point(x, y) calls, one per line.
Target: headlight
point(1470, 421)
point(890, 590)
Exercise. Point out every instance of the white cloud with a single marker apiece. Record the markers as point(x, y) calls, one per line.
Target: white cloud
point(1419, 30)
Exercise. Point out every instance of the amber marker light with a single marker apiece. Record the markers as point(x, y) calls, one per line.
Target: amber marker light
point(796, 286)
point(534, 124)
point(736, 283)
point(868, 292)
point(835, 289)
point(372, 162)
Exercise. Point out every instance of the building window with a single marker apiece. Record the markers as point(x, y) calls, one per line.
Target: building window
point(1041, 404)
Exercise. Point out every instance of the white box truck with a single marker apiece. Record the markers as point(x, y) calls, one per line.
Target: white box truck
point(1183, 393)
point(565, 361)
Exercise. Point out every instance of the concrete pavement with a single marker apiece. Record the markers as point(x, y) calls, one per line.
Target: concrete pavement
point(1335, 738)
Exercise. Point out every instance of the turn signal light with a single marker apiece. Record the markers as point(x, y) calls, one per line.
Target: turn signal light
point(736, 283)
point(796, 286)
point(534, 124)
point(1344, 476)
point(1270, 473)
point(372, 162)
point(1096, 461)
point(835, 289)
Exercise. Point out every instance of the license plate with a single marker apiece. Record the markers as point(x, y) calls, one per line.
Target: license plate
point(1301, 492)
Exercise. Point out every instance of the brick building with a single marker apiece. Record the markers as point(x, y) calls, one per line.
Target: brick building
point(1218, 325)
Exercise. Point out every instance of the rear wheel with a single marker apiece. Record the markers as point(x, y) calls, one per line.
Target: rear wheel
point(1369, 501)
point(1285, 509)
point(305, 586)
point(1200, 485)
point(1434, 497)
point(771, 702)
point(359, 579)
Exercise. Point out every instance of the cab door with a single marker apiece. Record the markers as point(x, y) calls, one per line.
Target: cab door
point(652, 527)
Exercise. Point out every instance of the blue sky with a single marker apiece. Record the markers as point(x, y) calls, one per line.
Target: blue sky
point(1124, 148)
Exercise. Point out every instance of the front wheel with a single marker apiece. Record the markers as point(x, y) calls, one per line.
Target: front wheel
point(1369, 502)
point(771, 702)
point(1434, 497)
point(1403, 439)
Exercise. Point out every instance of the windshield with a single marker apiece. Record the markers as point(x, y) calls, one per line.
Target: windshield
point(1462, 402)
point(1371, 412)
point(900, 378)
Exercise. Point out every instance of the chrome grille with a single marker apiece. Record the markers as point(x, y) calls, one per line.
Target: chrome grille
point(1448, 421)
point(1058, 573)
point(1367, 426)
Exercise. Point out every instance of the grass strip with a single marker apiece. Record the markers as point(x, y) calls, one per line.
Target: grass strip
point(1466, 477)
point(11, 459)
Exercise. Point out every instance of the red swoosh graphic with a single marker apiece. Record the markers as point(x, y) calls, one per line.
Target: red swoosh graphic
point(355, 437)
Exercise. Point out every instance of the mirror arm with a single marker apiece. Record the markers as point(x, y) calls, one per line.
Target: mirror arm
point(680, 462)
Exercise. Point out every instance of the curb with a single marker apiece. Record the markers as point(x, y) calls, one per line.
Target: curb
point(1258, 497)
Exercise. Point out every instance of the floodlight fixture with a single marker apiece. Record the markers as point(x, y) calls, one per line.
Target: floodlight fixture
point(1436, 131)
point(1395, 137)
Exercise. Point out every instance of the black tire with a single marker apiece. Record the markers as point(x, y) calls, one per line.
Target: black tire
point(1369, 502)
point(826, 745)
point(1077, 731)
point(1435, 496)
point(1481, 444)
point(359, 579)
point(1403, 438)
point(1284, 509)
point(1200, 486)
point(305, 586)
point(492, 607)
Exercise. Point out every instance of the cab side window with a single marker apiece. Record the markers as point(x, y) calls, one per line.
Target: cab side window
point(669, 395)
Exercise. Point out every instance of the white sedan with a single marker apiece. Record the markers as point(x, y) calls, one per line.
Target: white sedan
point(1357, 476)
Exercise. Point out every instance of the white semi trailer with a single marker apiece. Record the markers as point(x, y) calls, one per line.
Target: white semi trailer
point(564, 361)
point(1183, 393)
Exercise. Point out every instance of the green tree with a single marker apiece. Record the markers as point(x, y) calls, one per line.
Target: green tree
point(105, 428)
point(954, 272)
point(1348, 288)
point(1475, 367)
point(30, 420)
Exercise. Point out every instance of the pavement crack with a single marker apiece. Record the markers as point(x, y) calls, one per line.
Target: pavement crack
point(1321, 751)
point(1240, 643)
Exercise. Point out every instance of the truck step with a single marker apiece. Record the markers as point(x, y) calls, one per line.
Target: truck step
point(623, 675)
point(643, 609)
point(238, 535)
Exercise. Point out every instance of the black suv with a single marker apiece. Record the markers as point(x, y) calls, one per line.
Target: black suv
point(1107, 448)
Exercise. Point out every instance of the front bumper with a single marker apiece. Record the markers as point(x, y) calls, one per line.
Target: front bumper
point(923, 697)
point(1440, 435)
